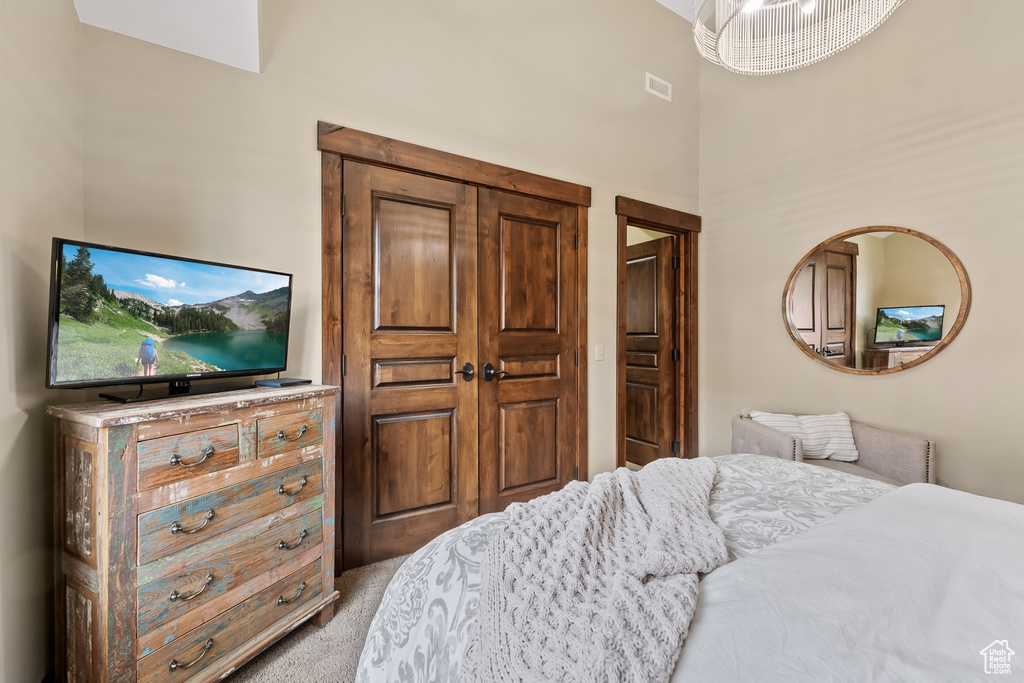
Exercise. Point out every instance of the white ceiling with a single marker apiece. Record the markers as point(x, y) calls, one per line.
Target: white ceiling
point(226, 31)
point(683, 8)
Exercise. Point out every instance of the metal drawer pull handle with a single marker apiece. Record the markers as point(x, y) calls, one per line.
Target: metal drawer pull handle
point(177, 459)
point(175, 595)
point(281, 489)
point(174, 665)
point(302, 431)
point(282, 601)
point(177, 528)
point(281, 545)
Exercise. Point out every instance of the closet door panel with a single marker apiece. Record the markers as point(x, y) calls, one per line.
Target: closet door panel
point(527, 313)
point(528, 275)
point(528, 444)
point(410, 426)
point(413, 274)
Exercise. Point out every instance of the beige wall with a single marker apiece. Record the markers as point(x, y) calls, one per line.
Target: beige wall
point(921, 125)
point(190, 157)
point(40, 196)
point(918, 272)
point(897, 269)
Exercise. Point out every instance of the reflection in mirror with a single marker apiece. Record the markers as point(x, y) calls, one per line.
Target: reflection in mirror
point(876, 300)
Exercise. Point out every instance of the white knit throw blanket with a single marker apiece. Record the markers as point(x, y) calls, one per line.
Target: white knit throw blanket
point(596, 582)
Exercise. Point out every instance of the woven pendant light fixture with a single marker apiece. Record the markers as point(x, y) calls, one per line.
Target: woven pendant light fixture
point(771, 36)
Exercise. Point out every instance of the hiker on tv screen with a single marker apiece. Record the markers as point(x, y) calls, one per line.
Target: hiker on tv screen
point(148, 358)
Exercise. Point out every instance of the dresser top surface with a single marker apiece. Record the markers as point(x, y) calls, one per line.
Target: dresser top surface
point(104, 413)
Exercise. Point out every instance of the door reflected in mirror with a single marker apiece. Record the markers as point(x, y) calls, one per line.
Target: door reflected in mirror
point(876, 300)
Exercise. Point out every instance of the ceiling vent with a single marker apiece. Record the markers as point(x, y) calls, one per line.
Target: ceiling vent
point(657, 86)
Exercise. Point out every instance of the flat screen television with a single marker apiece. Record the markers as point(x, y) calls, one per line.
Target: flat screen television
point(126, 317)
point(908, 325)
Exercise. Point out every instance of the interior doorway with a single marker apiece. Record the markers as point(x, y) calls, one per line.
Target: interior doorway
point(656, 359)
point(651, 348)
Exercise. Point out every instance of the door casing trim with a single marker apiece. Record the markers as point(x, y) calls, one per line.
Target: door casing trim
point(687, 227)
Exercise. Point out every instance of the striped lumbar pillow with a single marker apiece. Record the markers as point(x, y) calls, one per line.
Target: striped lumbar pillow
point(823, 436)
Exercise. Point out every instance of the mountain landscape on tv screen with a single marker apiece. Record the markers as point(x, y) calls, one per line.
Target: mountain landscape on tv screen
point(102, 331)
point(922, 329)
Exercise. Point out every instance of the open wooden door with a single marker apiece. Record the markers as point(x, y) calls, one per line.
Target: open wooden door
point(528, 319)
point(650, 349)
point(409, 305)
point(644, 356)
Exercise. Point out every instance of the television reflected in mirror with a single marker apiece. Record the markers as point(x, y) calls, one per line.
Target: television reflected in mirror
point(908, 325)
point(125, 317)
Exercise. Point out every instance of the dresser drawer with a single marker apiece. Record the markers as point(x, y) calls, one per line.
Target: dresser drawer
point(175, 458)
point(289, 432)
point(175, 527)
point(165, 600)
point(204, 647)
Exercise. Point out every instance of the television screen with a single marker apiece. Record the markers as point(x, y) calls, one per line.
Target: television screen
point(908, 324)
point(119, 316)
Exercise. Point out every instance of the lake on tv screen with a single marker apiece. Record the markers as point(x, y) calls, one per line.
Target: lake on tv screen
point(910, 335)
point(240, 350)
point(888, 331)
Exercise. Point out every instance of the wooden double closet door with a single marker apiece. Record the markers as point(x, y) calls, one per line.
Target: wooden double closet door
point(459, 345)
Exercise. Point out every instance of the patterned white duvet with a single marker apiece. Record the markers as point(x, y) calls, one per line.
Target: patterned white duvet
point(419, 631)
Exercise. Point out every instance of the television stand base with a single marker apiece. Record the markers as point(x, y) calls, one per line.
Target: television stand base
point(282, 382)
point(175, 388)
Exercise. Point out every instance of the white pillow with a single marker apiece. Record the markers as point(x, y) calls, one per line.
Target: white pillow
point(823, 436)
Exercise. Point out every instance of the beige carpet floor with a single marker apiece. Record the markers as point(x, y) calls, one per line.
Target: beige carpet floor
point(328, 655)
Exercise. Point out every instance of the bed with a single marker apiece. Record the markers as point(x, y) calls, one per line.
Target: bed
point(830, 576)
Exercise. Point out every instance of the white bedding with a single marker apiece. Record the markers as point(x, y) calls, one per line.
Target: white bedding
point(910, 587)
point(418, 633)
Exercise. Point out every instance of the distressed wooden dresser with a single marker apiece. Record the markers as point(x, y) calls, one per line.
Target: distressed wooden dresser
point(191, 532)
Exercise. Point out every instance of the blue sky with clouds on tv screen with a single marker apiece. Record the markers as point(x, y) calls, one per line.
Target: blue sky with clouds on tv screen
point(173, 282)
point(913, 312)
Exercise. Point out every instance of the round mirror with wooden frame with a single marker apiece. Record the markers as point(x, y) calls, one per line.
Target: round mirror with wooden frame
point(876, 300)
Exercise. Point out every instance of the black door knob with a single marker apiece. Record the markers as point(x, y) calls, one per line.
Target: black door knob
point(490, 374)
point(466, 371)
